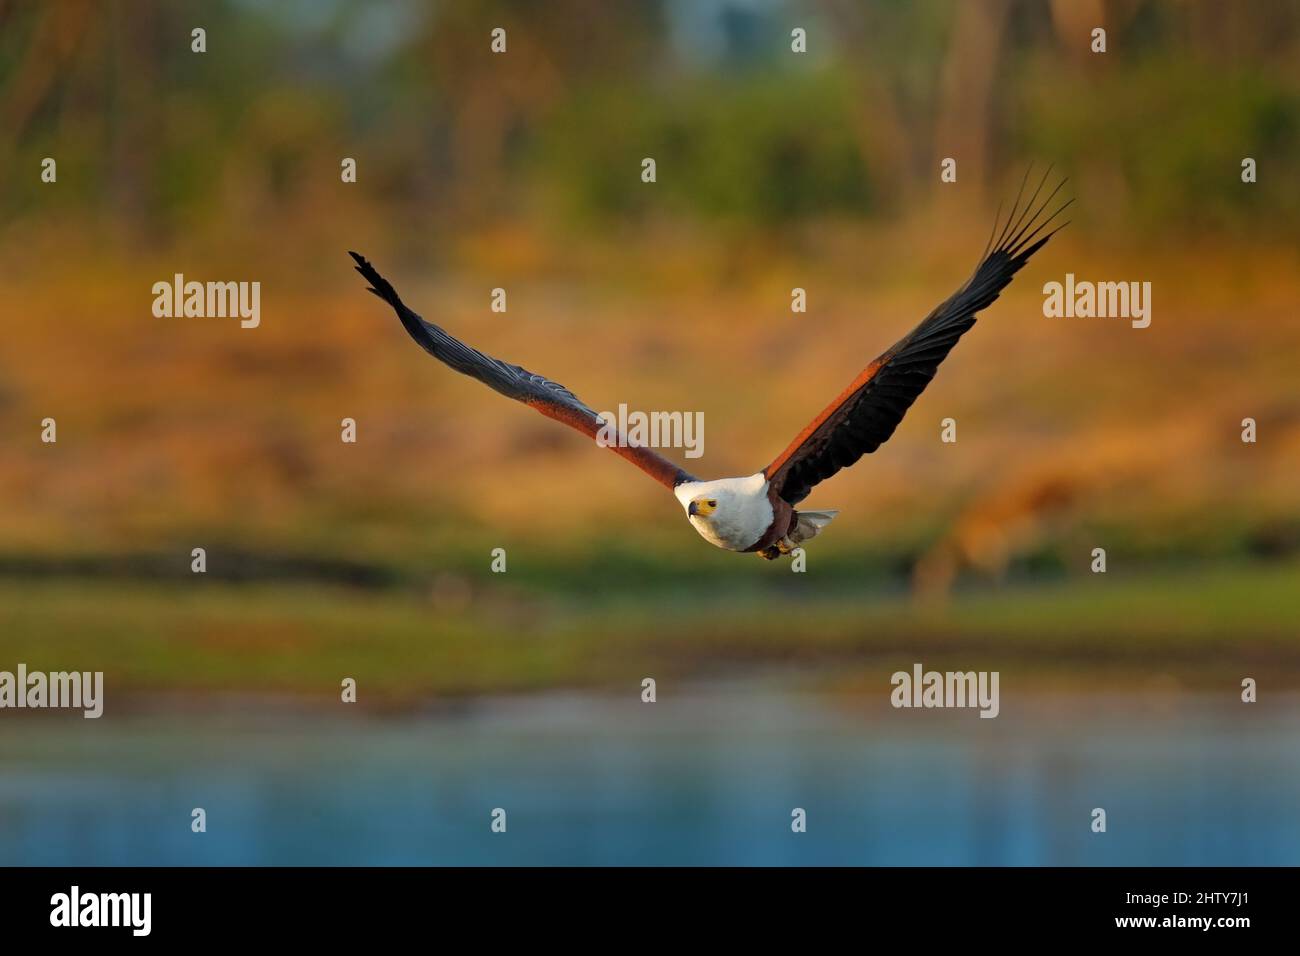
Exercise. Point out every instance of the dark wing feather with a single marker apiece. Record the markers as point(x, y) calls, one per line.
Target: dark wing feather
point(866, 413)
point(550, 398)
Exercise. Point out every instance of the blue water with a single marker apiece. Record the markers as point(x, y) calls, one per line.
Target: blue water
point(707, 779)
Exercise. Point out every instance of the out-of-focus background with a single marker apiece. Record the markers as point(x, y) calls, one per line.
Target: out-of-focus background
point(521, 171)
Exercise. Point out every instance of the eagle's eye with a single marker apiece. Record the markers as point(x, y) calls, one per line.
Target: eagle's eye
point(702, 507)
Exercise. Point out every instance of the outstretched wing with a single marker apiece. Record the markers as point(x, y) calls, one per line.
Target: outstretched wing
point(550, 398)
point(866, 413)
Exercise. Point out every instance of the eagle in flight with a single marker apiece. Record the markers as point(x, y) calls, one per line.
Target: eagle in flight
point(757, 512)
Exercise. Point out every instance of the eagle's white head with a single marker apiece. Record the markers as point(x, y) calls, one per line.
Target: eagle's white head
point(732, 513)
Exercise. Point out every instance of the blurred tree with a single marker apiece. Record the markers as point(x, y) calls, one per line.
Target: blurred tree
point(49, 35)
point(497, 100)
point(967, 119)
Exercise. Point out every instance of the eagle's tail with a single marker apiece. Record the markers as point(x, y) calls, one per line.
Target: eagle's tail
point(809, 524)
point(806, 525)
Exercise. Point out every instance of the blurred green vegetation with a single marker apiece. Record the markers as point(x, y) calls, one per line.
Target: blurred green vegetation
point(765, 150)
point(259, 638)
point(148, 133)
point(1204, 123)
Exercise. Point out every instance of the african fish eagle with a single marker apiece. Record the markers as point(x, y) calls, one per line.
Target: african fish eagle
point(757, 512)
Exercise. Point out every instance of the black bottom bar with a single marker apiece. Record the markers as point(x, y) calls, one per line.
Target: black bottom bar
point(334, 905)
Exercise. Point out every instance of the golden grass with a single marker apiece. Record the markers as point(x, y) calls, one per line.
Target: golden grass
point(172, 430)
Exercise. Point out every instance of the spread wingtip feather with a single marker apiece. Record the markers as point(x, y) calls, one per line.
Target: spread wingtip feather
point(379, 286)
